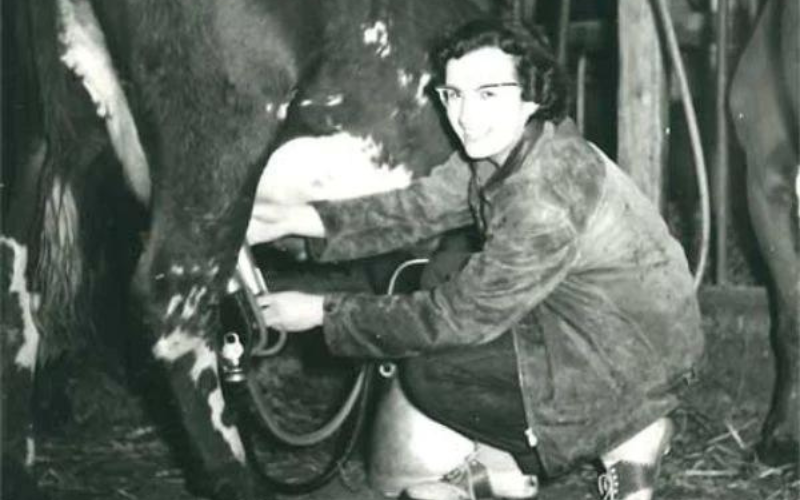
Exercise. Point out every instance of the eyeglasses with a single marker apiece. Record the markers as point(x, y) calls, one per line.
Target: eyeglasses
point(491, 92)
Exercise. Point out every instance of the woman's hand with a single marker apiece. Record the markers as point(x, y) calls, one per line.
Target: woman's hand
point(271, 221)
point(292, 311)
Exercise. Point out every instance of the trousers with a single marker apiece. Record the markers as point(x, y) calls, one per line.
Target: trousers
point(474, 390)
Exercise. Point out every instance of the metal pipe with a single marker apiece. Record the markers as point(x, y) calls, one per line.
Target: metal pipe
point(721, 179)
point(580, 100)
point(563, 31)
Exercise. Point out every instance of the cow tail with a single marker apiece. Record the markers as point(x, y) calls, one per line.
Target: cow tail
point(58, 271)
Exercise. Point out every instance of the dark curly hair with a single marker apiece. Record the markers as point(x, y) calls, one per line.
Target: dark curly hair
point(542, 79)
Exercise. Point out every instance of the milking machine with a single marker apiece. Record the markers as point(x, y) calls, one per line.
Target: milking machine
point(246, 342)
point(405, 447)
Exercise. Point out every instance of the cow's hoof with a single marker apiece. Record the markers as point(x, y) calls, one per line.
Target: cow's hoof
point(778, 451)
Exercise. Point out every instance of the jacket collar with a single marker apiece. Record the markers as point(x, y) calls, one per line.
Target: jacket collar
point(525, 147)
point(530, 137)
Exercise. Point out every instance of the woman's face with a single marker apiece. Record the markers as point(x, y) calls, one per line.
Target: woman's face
point(484, 103)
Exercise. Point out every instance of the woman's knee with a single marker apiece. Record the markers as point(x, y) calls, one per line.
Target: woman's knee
point(422, 380)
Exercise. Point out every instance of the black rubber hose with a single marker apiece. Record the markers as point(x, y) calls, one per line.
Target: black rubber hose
point(343, 453)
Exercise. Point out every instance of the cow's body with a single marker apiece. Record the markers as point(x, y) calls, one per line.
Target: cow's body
point(765, 112)
point(214, 86)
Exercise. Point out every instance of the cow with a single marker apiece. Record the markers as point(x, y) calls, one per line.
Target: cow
point(186, 101)
point(763, 104)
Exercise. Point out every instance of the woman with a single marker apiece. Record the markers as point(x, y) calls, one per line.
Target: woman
point(569, 334)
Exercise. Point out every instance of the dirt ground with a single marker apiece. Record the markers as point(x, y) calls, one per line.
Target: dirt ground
point(111, 448)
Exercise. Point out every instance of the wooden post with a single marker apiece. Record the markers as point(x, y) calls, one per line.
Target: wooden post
point(563, 32)
point(529, 11)
point(525, 11)
point(642, 108)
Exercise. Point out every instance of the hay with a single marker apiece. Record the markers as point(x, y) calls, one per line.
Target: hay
point(127, 458)
point(717, 461)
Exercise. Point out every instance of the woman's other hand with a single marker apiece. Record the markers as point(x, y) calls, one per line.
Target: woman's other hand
point(271, 221)
point(292, 311)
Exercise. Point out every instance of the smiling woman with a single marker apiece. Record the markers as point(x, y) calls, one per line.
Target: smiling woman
point(568, 334)
point(484, 104)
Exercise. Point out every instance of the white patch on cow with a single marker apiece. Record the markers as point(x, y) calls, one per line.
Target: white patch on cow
point(175, 345)
point(205, 359)
point(86, 54)
point(422, 96)
point(177, 270)
point(337, 166)
point(30, 451)
point(192, 301)
point(378, 35)
point(797, 188)
point(36, 301)
point(404, 78)
point(283, 111)
point(174, 302)
point(334, 100)
point(217, 404)
point(26, 356)
point(178, 344)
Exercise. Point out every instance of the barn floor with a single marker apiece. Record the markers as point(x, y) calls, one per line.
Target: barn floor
point(110, 449)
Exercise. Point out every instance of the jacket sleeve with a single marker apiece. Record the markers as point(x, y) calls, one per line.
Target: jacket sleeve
point(383, 222)
point(531, 244)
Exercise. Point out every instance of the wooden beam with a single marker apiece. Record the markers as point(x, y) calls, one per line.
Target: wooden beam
point(642, 109)
point(589, 36)
point(595, 35)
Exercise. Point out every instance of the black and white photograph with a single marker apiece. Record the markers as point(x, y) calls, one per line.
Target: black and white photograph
point(400, 249)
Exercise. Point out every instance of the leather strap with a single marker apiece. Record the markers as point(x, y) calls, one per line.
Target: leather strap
point(472, 478)
point(625, 478)
point(479, 485)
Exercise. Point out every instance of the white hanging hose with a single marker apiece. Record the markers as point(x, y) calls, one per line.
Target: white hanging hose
point(402, 267)
point(388, 369)
point(694, 136)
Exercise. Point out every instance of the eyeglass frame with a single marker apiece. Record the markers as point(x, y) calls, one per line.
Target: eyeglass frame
point(441, 89)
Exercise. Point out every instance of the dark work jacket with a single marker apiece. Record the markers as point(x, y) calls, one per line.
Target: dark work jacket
point(576, 264)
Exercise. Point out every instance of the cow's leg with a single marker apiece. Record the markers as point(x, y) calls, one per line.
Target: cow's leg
point(19, 344)
point(764, 109)
point(178, 286)
point(772, 206)
point(19, 334)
